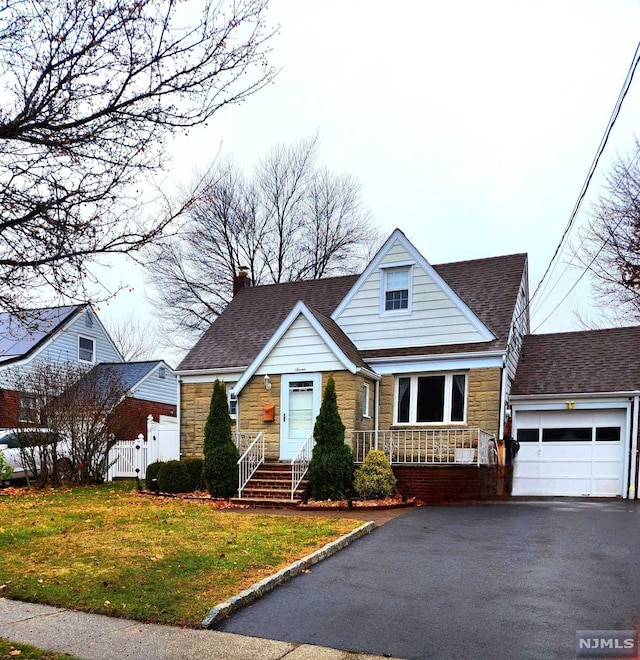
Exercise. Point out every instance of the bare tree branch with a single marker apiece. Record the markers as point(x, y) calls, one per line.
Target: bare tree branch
point(610, 247)
point(289, 220)
point(91, 91)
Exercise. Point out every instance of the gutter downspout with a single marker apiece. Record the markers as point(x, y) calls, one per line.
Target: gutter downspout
point(376, 415)
point(503, 397)
point(633, 486)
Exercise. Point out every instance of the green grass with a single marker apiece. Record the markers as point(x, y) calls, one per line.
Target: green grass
point(9, 651)
point(110, 550)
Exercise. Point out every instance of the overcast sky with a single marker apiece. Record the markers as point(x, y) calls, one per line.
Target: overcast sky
point(471, 125)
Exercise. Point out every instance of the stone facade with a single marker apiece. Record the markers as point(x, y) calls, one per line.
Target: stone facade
point(195, 399)
point(483, 407)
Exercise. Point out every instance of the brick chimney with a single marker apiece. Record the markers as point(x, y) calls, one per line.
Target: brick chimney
point(241, 280)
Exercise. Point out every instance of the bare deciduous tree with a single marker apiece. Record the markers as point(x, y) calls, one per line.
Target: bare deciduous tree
point(72, 421)
point(136, 338)
point(90, 93)
point(610, 247)
point(290, 220)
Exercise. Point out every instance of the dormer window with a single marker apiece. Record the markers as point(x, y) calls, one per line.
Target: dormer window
point(396, 290)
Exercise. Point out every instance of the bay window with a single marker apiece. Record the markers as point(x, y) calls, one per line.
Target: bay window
point(431, 398)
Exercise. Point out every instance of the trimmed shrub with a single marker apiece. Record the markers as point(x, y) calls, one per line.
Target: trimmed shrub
point(173, 477)
point(374, 479)
point(151, 474)
point(194, 467)
point(331, 467)
point(220, 468)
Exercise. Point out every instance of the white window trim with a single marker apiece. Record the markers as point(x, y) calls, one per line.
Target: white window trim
point(366, 394)
point(413, 393)
point(384, 269)
point(93, 352)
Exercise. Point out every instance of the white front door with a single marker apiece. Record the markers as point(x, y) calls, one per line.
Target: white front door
point(300, 398)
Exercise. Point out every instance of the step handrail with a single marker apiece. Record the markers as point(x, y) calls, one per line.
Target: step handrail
point(250, 461)
point(300, 463)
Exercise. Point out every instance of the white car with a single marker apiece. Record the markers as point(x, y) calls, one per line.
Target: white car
point(10, 448)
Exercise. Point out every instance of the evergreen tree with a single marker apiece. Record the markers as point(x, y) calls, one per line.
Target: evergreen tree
point(331, 467)
point(220, 466)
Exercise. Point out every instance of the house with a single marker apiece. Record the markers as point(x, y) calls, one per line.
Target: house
point(151, 390)
point(423, 358)
point(575, 411)
point(73, 334)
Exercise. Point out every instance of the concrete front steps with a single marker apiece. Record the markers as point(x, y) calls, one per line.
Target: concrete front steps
point(270, 487)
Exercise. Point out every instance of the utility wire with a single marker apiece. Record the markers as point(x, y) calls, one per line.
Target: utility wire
point(603, 142)
point(593, 259)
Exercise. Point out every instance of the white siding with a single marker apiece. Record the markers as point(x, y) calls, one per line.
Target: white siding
point(519, 328)
point(160, 390)
point(435, 318)
point(300, 349)
point(63, 347)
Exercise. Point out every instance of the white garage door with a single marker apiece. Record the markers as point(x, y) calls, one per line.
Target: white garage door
point(569, 452)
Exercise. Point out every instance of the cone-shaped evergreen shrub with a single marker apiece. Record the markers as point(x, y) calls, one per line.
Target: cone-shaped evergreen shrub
point(374, 479)
point(220, 467)
point(173, 477)
point(331, 467)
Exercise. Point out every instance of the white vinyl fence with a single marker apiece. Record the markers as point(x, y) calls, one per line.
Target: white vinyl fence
point(129, 458)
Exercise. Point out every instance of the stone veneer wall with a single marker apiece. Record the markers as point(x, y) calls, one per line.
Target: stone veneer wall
point(483, 400)
point(195, 399)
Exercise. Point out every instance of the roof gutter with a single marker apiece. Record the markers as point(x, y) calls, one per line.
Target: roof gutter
point(208, 372)
point(524, 398)
point(432, 357)
point(368, 373)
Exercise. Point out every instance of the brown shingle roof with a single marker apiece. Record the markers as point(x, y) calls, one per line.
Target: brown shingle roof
point(488, 286)
point(255, 313)
point(579, 362)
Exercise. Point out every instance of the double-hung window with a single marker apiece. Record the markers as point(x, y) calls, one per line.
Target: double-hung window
point(396, 290)
point(28, 409)
point(431, 398)
point(86, 349)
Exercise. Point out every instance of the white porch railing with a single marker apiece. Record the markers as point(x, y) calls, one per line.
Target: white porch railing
point(300, 463)
point(250, 461)
point(427, 446)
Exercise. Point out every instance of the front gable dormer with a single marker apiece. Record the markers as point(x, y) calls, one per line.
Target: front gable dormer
point(401, 301)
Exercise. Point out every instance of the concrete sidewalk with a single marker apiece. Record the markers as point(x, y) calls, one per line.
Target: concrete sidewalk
point(97, 637)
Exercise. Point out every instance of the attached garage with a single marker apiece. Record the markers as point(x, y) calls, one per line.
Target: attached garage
point(577, 452)
point(575, 404)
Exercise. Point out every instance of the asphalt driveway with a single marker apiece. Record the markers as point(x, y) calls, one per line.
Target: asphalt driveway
point(493, 581)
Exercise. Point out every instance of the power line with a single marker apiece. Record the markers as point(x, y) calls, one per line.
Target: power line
point(603, 142)
point(593, 259)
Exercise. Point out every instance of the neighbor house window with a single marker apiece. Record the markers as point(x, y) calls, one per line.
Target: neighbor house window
point(396, 289)
point(86, 349)
point(365, 400)
point(232, 399)
point(430, 399)
point(28, 409)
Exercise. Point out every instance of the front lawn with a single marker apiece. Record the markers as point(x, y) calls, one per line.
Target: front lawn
point(108, 549)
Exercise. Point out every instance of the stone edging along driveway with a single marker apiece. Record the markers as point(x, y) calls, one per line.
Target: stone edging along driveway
point(266, 585)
